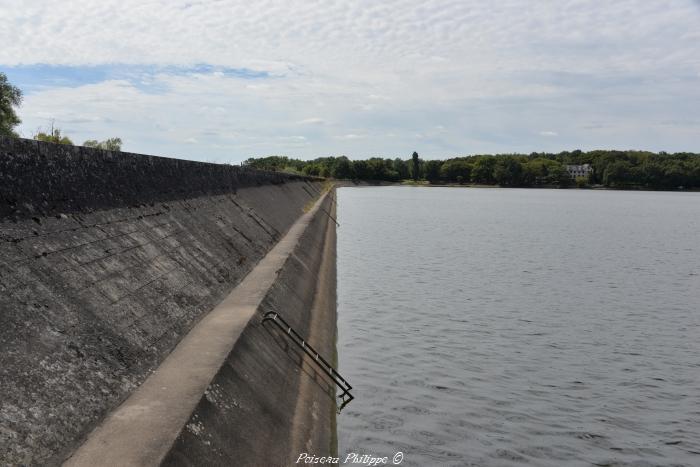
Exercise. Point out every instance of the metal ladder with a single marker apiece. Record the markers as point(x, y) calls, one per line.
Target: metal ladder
point(327, 368)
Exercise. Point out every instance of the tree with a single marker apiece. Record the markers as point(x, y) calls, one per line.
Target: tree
point(432, 170)
point(10, 96)
point(401, 168)
point(377, 169)
point(620, 169)
point(534, 172)
point(110, 144)
point(311, 169)
point(456, 170)
point(617, 173)
point(342, 168)
point(507, 171)
point(482, 172)
point(54, 136)
point(563, 178)
point(651, 174)
point(416, 166)
point(676, 175)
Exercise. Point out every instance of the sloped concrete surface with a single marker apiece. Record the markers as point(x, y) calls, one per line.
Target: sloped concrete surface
point(106, 261)
point(269, 402)
point(141, 431)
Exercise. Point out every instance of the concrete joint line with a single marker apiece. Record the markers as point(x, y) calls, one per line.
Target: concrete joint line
point(141, 431)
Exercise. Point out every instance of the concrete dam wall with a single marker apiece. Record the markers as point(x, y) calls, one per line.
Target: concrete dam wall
point(108, 261)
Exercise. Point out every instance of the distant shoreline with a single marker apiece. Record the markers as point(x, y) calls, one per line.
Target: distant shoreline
point(425, 184)
point(602, 169)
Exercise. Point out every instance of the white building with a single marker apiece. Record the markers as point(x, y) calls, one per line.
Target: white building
point(576, 171)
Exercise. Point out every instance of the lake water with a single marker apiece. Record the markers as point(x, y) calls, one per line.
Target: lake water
point(505, 327)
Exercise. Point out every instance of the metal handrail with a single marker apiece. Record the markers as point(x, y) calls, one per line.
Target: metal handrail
point(345, 397)
point(331, 217)
point(330, 195)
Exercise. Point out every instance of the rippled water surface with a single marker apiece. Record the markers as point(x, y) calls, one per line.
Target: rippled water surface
point(505, 327)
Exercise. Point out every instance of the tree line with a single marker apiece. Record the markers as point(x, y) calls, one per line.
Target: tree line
point(617, 169)
point(11, 97)
point(55, 136)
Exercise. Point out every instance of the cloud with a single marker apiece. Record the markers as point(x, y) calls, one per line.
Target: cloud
point(549, 133)
point(311, 121)
point(250, 74)
point(294, 138)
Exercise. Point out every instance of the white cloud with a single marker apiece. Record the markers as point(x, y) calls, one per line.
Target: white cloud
point(493, 73)
point(311, 121)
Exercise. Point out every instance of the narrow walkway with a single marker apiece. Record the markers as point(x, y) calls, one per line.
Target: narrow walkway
point(141, 431)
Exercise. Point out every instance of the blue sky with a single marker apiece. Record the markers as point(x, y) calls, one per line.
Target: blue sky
point(224, 80)
point(35, 78)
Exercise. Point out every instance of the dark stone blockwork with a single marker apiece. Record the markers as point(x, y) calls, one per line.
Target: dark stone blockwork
point(47, 178)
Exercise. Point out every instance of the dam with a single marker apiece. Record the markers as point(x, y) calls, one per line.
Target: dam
point(132, 290)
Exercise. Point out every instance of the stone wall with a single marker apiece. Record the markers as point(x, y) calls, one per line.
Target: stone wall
point(38, 178)
point(106, 260)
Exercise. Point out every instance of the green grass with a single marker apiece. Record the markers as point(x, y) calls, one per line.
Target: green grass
point(415, 182)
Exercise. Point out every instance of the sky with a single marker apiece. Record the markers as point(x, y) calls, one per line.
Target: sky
point(224, 80)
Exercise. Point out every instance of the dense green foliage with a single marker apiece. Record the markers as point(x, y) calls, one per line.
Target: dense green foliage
point(618, 169)
point(56, 136)
point(110, 144)
point(53, 136)
point(10, 97)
